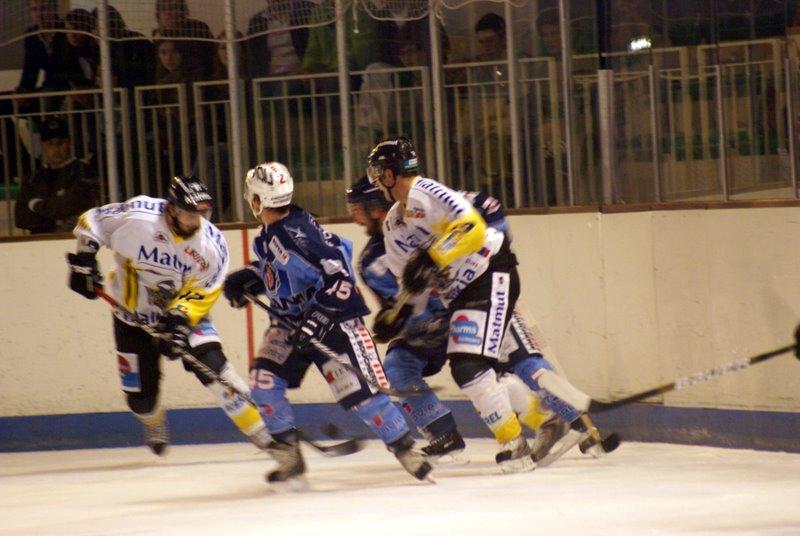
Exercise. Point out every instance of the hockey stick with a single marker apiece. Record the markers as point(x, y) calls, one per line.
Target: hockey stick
point(586, 403)
point(333, 356)
point(556, 383)
point(344, 448)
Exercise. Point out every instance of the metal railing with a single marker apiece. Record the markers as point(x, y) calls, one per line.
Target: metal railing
point(682, 123)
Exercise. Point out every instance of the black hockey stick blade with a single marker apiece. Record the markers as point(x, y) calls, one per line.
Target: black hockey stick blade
point(596, 406)
point(344, 448)
point(607, 444)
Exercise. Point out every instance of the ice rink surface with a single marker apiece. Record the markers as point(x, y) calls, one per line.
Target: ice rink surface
point(219, 489)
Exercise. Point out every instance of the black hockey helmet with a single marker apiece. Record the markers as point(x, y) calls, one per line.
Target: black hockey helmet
point(397, 154)
point(367, 194)
point(190, 194)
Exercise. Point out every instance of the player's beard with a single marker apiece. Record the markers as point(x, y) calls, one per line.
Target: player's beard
point(175, 225)
point(373, 226)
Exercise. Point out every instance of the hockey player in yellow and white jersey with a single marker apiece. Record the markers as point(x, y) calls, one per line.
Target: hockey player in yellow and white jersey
point(448, 246)
point(171, 262)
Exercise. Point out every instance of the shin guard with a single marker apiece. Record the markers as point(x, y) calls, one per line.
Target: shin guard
point(246, 418)
point(492, 402)
point(526, 404)
point(383, 418)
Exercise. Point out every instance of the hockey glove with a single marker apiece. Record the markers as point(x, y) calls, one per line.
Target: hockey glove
point(241, 282)
point(419, 272)
point(315, 325)
point(175, 331)
point(84, 274)
point(384, 329)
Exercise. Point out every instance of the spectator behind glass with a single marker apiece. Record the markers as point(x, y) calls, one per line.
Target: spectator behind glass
point(60, 190)
point(46, 51)
point(281, 50)
point(172, 17)
point(85, 50)
point(132, 55)
point(548, 26)
point(365, 35)
point(219, 70)
point(399, 31)
point(490, 35)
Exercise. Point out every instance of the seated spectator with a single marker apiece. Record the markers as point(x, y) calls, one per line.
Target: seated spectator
point(280, 50)
point(219, 69)
point(60, 190)
point(490, 35)
point(132, 55)
point(171, 68)
point(173, 20)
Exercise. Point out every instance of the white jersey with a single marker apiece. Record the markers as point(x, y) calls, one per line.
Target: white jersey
point(155, 269)
point(430, 211)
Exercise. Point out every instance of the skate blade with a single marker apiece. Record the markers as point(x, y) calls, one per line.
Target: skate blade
point(572, 438)
point(520, 465)
point(292, 485)
point(455, 458)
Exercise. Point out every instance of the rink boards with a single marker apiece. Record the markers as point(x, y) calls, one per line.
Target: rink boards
point(628, 301)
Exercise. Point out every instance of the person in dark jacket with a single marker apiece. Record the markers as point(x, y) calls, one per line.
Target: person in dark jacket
point(132, 54)
point(51, 200)
point(45, 49)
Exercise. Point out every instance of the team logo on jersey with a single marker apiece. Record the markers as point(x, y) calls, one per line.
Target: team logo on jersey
point(196, 257)
point(160, 237)
point(271, 279)
point(414, 213)
point(296, 233)
point(454, 236)
point(465, 331)
point(161, 295)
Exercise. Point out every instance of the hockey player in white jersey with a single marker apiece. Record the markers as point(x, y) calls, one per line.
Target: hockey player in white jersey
point(448, 245)
point(170, 266)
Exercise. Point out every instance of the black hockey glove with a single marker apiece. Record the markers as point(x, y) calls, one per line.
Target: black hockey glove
point(84, 274)
point(419, 272)
point(384, 329)
point(315, 325)
point(241, 282)
point(175, 331)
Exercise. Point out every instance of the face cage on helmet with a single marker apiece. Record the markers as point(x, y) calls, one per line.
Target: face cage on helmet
point(375, 173)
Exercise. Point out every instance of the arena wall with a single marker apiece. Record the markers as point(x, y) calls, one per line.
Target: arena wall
point(628, 301)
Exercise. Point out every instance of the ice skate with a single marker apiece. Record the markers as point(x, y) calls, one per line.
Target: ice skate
point(291, 466)
point(156, 432)
point(446, 449)
point(261, 439)
point(412, 460)
point(547, 436)
point(515, 456)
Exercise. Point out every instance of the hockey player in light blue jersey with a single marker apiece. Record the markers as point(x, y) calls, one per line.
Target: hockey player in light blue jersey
point(307, 275)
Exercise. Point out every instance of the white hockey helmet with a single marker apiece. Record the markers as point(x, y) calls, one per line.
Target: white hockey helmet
point(268, 185)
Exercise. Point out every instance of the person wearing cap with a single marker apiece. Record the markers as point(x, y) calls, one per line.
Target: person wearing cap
point(58, 191)
point(171, 262)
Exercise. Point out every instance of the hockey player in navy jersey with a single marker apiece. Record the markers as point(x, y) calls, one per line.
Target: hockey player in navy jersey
point(171, 263)
point(307, 275)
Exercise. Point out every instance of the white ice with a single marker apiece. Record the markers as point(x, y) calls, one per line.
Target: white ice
point(219, 489)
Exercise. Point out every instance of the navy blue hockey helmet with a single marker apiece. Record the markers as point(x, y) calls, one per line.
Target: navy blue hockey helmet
point(397, 154)
point(368, 195)
point(190, 194)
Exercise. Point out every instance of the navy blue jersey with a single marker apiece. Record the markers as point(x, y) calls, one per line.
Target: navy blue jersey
point(305, 267)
